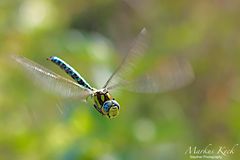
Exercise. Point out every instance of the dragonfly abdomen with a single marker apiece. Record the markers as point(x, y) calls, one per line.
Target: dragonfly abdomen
point(70, 71)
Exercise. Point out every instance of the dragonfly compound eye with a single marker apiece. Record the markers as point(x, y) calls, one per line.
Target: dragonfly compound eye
point(115, 103)
point(106, 106)
point(111, 108)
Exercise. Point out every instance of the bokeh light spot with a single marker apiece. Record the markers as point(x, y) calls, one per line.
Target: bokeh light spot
point(34, 14)
point(144, 130)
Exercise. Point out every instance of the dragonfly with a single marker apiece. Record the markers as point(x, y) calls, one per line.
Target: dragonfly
point(177, 75)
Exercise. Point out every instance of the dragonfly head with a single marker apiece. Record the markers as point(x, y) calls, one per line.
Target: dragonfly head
point(111, 108)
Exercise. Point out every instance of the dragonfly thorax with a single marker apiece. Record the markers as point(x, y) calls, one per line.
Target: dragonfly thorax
point(105, 104)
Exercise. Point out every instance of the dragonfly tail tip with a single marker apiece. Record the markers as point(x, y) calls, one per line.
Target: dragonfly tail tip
point(49, 58)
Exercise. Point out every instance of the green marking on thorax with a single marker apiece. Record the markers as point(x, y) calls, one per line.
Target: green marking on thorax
point(96, 100)
point(102, 97)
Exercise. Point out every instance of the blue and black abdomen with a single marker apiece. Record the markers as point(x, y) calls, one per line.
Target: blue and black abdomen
point(70, 71)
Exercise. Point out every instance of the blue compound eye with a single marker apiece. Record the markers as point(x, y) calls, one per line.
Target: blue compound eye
point(115, 103)
point(106, 106)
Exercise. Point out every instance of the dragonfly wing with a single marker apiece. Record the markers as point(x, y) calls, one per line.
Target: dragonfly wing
point(172, 74)
point(51, 80)
point(127, 65)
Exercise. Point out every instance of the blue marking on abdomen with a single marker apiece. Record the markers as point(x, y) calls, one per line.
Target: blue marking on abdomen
point(70, 71)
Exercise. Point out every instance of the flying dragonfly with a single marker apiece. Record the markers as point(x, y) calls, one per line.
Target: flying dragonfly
point(177, 74)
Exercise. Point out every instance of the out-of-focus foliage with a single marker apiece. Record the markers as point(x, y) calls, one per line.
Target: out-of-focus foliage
point(91, 35)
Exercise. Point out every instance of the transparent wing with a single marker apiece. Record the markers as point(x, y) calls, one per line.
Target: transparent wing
point(50, 80)
point(172, 74)
point(128, 64)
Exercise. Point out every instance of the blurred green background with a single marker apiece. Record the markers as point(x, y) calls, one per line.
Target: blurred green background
point(91, 35)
